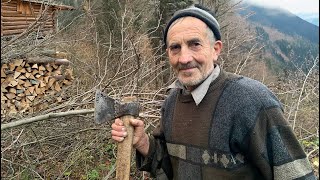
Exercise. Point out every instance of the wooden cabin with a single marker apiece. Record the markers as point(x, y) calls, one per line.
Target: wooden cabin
point(17, 16)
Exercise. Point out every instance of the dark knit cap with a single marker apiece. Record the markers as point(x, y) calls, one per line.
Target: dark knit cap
point(198, 12)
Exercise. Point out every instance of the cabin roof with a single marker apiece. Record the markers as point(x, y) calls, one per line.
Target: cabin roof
point(50, 3)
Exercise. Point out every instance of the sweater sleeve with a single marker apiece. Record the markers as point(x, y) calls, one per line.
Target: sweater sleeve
point(274, 149)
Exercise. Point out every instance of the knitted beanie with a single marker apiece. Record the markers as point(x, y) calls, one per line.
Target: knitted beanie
point(196, 12)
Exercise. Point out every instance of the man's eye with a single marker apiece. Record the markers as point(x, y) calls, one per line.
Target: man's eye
point(174, 47)
point(195, 44)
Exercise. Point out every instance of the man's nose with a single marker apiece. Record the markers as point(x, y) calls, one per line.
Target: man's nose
point(185, 55)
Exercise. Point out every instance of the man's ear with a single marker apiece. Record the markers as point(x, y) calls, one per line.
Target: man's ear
point(218, 47)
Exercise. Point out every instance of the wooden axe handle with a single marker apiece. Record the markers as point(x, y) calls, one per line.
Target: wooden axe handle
point(124, 151)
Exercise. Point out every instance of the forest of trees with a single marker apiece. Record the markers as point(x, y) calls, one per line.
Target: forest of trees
point(117, 46)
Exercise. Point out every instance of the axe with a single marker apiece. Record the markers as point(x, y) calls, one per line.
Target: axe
point(107, 109)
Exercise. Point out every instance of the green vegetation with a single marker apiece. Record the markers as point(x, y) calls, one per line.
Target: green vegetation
point(298, 52)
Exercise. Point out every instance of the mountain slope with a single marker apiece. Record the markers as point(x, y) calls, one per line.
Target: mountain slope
point(283, 21)
point(289, 41)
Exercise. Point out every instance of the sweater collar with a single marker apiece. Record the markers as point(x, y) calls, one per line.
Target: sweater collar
point(198, 93)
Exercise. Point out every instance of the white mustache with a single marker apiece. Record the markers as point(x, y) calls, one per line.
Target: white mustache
point(189, 65)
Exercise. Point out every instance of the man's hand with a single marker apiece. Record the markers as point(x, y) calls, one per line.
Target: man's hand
point(140, 138)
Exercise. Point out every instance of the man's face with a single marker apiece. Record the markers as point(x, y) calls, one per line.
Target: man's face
point(190, 52)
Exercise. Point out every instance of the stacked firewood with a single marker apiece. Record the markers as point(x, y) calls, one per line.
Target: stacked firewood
point(23, 81)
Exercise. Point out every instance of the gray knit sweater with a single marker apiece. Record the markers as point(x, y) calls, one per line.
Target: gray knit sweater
point(237, 132)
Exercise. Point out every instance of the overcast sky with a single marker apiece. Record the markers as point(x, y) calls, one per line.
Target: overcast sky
point(294, 6)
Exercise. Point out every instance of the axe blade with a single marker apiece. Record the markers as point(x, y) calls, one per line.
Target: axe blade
point(104, 108)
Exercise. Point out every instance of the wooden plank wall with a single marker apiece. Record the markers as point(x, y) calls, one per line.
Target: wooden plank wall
point(17, 16)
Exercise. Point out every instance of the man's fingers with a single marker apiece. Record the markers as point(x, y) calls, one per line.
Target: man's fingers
point(118, 125)
point(136, 122)
point(118, 122)
point(117, 138)
point(119, 133)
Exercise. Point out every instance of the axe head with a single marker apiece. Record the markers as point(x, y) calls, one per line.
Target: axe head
point(107, 108)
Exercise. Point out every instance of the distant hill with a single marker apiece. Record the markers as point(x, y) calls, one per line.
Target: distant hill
point(283, 21)
point(289, 41)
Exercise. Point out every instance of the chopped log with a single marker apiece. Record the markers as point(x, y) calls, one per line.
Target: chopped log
point(35, 66)
point(27, 92)
point(46, 79)
point(12, 90)
point(19, 91)
point(48, 67)
point(13, 83)
point(56, 72)
point(3, 97)
point(28, 69)
point(23, 63)
point(38, 90)
point(20, 69)
point(2, 73)
point(28, 74)
point(42, 68)
point(18, 62)
point(11, 66)
point(31, 98)
point(68, 74)
point(5, 83)
point(2, 80)
point(38, 76)
point(42, 84)
point(54, 65)
point(3, 90)
point(33, 81)
point(27, 83)
point(31, 89)
point(57, 86)
point(21, 81)
point(35, 71)
point(9, 72)
point(66, 82)
point(31, 77)
point(4, 66)
point(22, 94)
point(51, 81)
point(16, 74)
point(43, 90)
point(22, 77)
point(19, 86)
point(10, 95)
point(13, 110)
point(41, 73)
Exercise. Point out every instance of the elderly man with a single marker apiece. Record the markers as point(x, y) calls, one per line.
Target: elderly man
point(215, 124)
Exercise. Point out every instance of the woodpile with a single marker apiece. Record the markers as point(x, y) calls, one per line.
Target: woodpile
point(24, 81)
